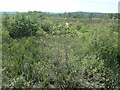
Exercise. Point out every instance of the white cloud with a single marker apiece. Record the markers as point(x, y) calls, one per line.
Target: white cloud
point(104, 1)
point(58, 5)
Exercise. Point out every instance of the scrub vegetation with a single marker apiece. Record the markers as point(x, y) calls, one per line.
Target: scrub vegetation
point(69, 50)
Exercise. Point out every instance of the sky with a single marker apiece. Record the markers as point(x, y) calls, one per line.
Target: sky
point(104, 6)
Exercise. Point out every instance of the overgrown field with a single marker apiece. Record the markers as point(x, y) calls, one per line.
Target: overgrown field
point(56, 54)
point(0, 51)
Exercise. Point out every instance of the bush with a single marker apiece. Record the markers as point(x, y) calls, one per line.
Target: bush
point(78, 55)
point(46, 26)
point(22, 25)
point(5, 20)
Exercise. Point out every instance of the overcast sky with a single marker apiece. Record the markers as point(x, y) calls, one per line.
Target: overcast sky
point(108, 6)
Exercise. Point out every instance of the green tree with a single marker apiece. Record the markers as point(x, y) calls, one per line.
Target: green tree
point(5, 20)
point(91, 16)
point(22, 25)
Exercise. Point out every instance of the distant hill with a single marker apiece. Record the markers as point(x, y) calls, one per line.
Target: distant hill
point(8, 12)
point(54, 12)
point(22, 12)
point(81, 12)
point(76, 12)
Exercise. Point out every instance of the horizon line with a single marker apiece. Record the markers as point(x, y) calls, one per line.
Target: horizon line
point(58, 12)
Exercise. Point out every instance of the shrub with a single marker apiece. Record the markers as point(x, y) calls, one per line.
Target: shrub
point(46, 26)
point(22, 25)
point(5, 20)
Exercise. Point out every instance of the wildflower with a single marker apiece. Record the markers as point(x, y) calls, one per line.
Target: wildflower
point(66, 24)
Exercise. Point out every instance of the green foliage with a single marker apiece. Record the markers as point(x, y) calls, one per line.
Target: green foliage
point(77, 55)
point(114, 27)
point(46, 25)
point(91, 15)
point(22, 25)
point(5, 20)
point(0, 51)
